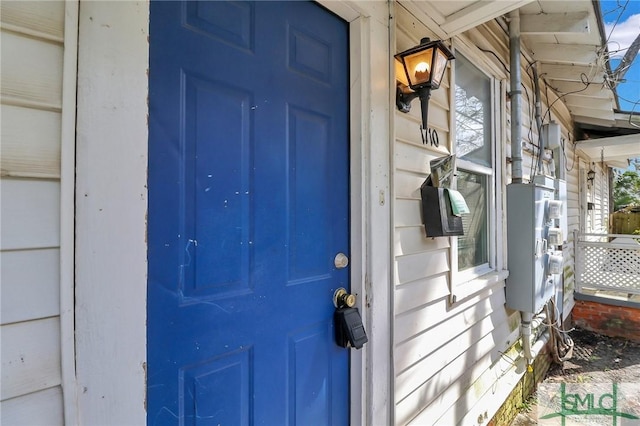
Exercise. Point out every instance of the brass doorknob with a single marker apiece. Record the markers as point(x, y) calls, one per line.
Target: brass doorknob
point(341, 299)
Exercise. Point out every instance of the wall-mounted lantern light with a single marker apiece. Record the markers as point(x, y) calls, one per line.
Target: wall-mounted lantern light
point(424, 66)
point(591, 175)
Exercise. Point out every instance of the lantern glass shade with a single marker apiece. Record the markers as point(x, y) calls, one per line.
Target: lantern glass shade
point(425, 64)
point(418, 67)
point(591, 175)
point(440, 65)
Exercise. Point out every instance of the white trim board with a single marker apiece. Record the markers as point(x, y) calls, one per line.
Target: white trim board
point(111, 208)
point(369, 116)
point(67, 213)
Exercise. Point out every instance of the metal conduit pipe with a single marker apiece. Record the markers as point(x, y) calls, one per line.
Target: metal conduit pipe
point(537, 347)
point(516, 97)
point(525, 334)
point(516, 162)
point(526, 325)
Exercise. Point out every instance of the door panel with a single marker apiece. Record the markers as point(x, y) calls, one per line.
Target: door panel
point(248, 205)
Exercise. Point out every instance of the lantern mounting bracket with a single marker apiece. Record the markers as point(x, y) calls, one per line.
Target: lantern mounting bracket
point(404, 96)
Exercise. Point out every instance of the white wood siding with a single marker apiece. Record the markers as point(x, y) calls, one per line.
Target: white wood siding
point(31, 104)
point(30, 214)
point(30, 357)
point(29, 284)
point(43, 408)
point(448, 362)
point(573, 221)
point(600, 190)
point(30, 150)
point(31, 71)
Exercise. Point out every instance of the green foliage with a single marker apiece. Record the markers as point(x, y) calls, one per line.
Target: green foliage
point(527, 406)
point(626, 190)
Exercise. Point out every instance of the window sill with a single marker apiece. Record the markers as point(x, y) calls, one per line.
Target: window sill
point(464, 290)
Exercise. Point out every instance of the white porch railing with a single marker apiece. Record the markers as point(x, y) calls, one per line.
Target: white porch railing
point(607, 262)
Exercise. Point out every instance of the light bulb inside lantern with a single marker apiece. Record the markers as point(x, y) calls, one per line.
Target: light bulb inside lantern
point(422, 71)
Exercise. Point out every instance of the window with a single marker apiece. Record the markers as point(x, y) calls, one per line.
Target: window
point(473, 248)
point(474, 137)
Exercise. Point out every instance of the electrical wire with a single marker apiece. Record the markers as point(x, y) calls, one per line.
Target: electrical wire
point(526, 92)
point(560, 341)
point(564, 152)
point(635, 103)
point(497, 57)
point(613, 52)
point(532, 106)
point(536, 156)
point(511, 360)
point(617, 19)
point(612, 78)
point(583, 79)
point(603, 58)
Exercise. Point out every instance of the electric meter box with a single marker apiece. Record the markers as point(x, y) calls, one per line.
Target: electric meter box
point(552, 134)
point(529, 285)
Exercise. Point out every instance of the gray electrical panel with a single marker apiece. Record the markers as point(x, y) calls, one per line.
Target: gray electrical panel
point(532, 238)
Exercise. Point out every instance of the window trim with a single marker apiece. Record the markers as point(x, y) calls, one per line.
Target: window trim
point(473, 280)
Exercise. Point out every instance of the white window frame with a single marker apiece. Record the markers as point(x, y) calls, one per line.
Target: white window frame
point(473, 280)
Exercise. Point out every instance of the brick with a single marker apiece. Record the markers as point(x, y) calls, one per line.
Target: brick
point(610, 320)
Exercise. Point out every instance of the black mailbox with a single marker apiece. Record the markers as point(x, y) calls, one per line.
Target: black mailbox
point(437, 215)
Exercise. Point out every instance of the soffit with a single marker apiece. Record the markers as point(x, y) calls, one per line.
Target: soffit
point(571, 57)
point(562, 36)
point(615, 151)
point(449, 18)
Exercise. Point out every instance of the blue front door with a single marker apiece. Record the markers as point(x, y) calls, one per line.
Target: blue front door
point(248, 207)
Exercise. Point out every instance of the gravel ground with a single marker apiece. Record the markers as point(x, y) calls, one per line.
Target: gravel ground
point(596, 359)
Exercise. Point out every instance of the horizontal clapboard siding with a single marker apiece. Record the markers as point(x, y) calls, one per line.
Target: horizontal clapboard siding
point(30, 214)
point(31, 103)
point(447, 358)
point(30, 356)
point(463, 400)
point(31, 72)
point(30, 142)
point(444, 375)
point(573, 223)
point(420, 293)
point(411, 240)
point(30, 287)
point(40, 19)
point(43, 408)
point(434, 324)
point(427, 333)
point(602, 198)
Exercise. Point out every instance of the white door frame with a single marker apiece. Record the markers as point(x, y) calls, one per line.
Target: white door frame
point(67, 213)
point(111, 209)
point(371, 274)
